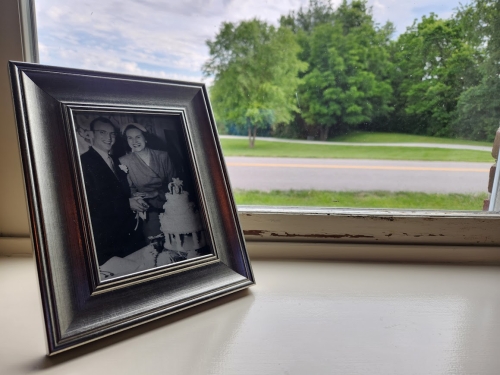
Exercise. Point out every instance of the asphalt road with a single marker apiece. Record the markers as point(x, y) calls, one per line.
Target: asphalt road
point(267, 174)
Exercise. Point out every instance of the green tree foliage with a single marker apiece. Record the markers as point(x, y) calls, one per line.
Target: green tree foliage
point(306, 19)
point(434, 65)
point(256, 74)
point(347, 83)
point(478, 109)
point(441, 77)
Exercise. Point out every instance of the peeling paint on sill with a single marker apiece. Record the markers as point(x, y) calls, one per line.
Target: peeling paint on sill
point(254, 232)
point(317, 235)
point(263, 233)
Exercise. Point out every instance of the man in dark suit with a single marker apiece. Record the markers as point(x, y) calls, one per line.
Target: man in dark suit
point(114, 222)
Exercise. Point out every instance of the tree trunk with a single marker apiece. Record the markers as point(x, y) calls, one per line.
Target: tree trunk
point(252, 131)
point(324, 132)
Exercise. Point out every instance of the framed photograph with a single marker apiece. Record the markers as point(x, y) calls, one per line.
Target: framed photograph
point(132, 216)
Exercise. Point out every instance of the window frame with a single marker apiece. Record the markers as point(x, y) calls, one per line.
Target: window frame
point(370, 226)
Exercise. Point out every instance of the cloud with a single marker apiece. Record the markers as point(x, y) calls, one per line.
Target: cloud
point(167, 38)
point(402, 14)
point(121, 36)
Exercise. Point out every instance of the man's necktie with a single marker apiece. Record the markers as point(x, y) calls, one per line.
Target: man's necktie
point(111, 164)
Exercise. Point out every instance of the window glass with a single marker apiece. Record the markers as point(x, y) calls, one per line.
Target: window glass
point(372, 104)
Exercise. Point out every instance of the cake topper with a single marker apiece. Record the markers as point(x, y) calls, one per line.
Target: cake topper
point(175, 186)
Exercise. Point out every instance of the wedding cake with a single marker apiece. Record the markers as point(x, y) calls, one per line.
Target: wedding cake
point(182, 235)
point(181, 222)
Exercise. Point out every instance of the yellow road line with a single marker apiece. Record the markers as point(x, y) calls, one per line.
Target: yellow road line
point(372, 167)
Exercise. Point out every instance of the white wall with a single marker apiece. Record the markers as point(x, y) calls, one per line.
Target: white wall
point(13, 211)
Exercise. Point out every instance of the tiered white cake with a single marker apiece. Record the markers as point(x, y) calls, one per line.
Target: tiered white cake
point(181, 222)
point(182, 235)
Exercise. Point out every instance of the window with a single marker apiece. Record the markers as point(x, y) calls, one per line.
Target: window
point(103, 30)
point(361, 104)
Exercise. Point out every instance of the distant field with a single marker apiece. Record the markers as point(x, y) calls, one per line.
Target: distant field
point(367, 137)
point(239, 147)
point(366, 199)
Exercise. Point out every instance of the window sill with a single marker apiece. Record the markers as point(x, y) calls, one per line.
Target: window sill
point(301, 317)
point(360, 235)
point(373, 226)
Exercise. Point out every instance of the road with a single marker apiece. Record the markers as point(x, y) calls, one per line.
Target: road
point(267, 174)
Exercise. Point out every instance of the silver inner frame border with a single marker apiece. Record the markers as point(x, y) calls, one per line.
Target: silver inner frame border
point(101, 286)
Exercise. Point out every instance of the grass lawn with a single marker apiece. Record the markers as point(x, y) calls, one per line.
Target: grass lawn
point(239, 147)
point(365, 199)
point(368, 137)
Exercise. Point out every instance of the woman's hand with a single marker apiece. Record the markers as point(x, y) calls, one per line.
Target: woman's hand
point(138, 204)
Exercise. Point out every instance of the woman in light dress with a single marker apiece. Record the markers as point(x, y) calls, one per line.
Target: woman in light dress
point(149, 173)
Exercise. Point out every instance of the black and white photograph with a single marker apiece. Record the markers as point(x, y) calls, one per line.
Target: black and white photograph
point(142, 200)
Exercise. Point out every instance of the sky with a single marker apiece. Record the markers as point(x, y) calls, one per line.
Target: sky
point(166, 38)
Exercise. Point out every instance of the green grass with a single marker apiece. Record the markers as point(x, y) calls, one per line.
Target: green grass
point(239, 147)
point(366, 199)
point(368, 137)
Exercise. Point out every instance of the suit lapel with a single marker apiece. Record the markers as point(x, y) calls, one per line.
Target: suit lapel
point(120, 176)
point(103, 169)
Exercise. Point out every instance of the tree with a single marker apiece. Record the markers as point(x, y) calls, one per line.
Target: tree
point(478, 108)
point(255, 69)
point(434, 65)
point(347, 82)
point(318, 12)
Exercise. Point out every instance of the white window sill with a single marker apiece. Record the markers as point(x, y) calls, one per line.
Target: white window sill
point(357, 235)
point(301, 318)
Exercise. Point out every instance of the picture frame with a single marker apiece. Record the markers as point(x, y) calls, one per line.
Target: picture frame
point(72, 243)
